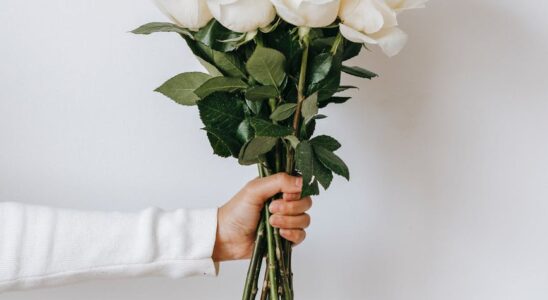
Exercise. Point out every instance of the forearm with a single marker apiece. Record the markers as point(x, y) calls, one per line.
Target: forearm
point(41, 246)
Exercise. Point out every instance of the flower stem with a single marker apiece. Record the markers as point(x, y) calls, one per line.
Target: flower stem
point(250, 289)
point(336, 44)
point(284, 273)
point(254, 288)
point(271, 255)
point(300, 98)
point(271, 252)
point(301, 86)
point(266, 286)
point(290, 159)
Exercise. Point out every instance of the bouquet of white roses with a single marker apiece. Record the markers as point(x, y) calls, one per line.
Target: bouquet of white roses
point(272, 64)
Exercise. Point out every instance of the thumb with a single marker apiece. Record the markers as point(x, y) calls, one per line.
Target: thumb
point(264, 188)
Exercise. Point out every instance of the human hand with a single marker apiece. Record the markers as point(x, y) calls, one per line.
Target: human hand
point(238, 218)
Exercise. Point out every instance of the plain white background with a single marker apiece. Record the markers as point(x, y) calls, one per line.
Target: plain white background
point(448, 150)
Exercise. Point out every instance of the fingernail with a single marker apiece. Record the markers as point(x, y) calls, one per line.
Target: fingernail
point(299, 182)
point(274, 206)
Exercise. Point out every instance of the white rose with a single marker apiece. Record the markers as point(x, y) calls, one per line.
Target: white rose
point(191, 14)
point(307, 13)
point(400, 5)
point(243, 15)
point(372, 22)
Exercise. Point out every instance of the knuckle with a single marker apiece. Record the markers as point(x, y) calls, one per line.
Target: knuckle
point(281, 221)
point(290, 234)
point(309, 203)
point(300, 237)
point(290, 207)
point(303, 236)
point(276, 221)
point(249, 187)
point(291, 197)
point(283, 208)
point(282, 178)
point(307, 220)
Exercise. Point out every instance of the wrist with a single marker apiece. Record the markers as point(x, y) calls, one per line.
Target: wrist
point(222, 246)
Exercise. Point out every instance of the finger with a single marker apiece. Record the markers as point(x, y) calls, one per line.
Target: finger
point(291, 208)
point(292, 197)
point(296, 236)
point(267, 187)
point(290, 222)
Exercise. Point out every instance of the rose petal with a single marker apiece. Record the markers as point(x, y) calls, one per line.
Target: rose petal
point(320, 13)
point(365, 17)
point(348, 7)
point(391, 40)
point(258, 14)
point(285, 12)
point(368, 16)
point(191, 14)
point(388, 14)
point(400, 5)
point(355, 36)
point(308, 13)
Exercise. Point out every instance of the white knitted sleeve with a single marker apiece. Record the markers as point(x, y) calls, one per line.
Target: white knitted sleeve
point(43, 246)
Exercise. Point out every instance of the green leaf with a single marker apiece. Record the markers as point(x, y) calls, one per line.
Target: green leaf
point(161, 27)
point(326, 142)
point(181, 87)
point(267, 66)
point(219, 147)
point(319, 68)
point(359, 72)
point(310, 107)
point(283, 112)
point(322, 44)
point(223, 144)
point(220, 84)
point(252, 150)
point(222, 115)
point(351, 49)
point(221, 111)
point(332, 162)
point(211, 69)
point(327, 87)
point(259, 93)
point(228, 63)
point(293, 140)
point(284, 41)
point(254, 106)
point(307, 130)
point(245, 131)
point(304, 161)
point(334, 99)
point(310, 189)
point(217, 37)
point(322, 174)
point(343, 88)
point(266, 128)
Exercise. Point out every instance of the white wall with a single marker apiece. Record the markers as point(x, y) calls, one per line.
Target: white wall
point(448, 150)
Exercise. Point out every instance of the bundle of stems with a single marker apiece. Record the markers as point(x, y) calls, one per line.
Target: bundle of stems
point(269, 245)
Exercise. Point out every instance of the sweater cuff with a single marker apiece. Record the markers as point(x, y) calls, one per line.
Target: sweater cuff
point(202, 232)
